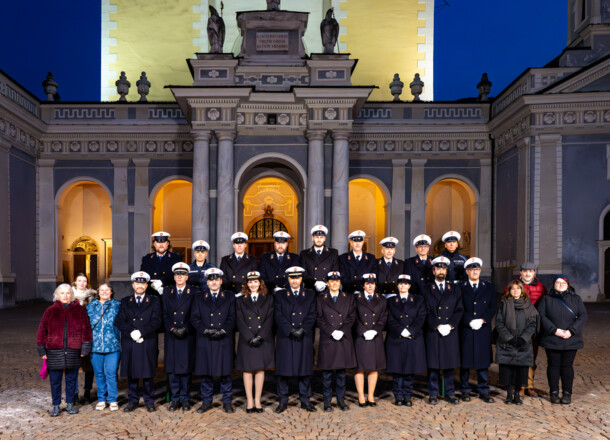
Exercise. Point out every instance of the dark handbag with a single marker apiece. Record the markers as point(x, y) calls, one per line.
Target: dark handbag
point(567, 307)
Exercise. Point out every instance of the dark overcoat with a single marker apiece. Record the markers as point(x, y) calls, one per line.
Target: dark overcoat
point(179, 353)
point(554, 315)
point(197, 276)
point(317, 266)
point(160, 269)
point(420, 272)
point(352, 270)
point(273, 272)
point(406, 355)
point(442, 352)
point(387, 276)
point(370, 355)
point(234, 272)
point(507, 354)
point(292, 357)
point(475, 345)
point(340, 315)
point(139, 360)
point(455, 270)
point(255, 320)
point(214, 357)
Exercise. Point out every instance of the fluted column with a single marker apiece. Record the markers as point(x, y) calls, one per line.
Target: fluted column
point(225, 202)
point(47, 233)
point(418, 203)
point(120, 222)
point(141, 213)
point(315, 179)
point(340, 200)
point(397, 219)
point(200, 222)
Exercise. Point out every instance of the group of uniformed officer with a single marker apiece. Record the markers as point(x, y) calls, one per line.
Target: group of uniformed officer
point(437, 314)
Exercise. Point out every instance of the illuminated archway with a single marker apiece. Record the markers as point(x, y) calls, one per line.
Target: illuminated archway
point(451, 204)
point(84, 227)
point(368, 206)
point(171, 212)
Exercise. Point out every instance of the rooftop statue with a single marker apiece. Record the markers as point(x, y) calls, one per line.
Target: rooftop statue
point(216, 31)
point(329, 29)
point(273, 5)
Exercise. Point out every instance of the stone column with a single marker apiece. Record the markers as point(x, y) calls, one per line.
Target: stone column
point(397, 219)
point(523, 206)
point(225, 201)
point(120, 222)
point(484, 226)
point(142, 224)
point(47, 233)
point(200, 228)
point(340, 197)
point(7, 279)
point(418, 203)
point(315, 180)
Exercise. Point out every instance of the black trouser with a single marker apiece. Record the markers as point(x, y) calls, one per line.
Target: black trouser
point(327, 384)
point(560, 365)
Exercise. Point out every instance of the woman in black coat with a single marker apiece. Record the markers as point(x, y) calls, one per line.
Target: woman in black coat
point(371, 316)
point(563, 317)
point(517, 321)
point(255, 348)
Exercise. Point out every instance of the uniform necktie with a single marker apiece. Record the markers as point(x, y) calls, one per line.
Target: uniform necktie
point(295, 292)
point(441, 287)
point(368, 298)
point(214, 297)
point(254, 299)
point(138, 300)
point(358, 258)
point(160, 257)
point(179, 293)
point(389, 263)
point(474, 287)
point(319, 252)
point(404, 300)
point(280, 258)
point(238, 259)
point(335, 298)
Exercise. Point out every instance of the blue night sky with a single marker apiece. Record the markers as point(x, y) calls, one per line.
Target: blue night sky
point(502, 38)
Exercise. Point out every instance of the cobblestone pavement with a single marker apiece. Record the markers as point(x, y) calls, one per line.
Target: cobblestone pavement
point(25, 401)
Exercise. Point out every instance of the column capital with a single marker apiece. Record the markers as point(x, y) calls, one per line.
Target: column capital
point(141, 161)
point(399, 162)
point(201, 135)
point(523, 143)
point(120, 163)
point(46, 162)
point(485, 162)
point(225, 135)
point(418, 163)
point(341, 135)
point(315, 135)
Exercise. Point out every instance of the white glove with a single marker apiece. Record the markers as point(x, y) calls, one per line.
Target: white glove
point(320, 286)
point(135, 335)
point(444, 329)
point(405, 333)
point(369, 335)
point(356, 292)
point(277, 288)
point(337, 335)
point(476, 324)
point(157, 284)
point(140, 340)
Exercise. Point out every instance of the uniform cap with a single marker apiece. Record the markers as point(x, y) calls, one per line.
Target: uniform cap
point(140, 277)
point(239, 237)
point(473, 262)
point(441, 262)
point(200, 245)
point(451, 236)
point(180, 268)
point(389, 242)
point(319, 230)
point(333, 275)
point(422, 239)
point(281, 236)
point(295, 271)
point(213, 273)
point(254, 275)
point(369, 278)
point(160, 236)
point(357, 235)
point(404, 279)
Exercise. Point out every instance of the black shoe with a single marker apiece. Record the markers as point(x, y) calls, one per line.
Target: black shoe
point(130, 407)
point(186, 406)
point(363, 405)
point(150, 407)
point(486, 398)
point(465, 397)
point(554, 397)
point(327, 407)
point(308, 407)
point(517, 400)
point(433, 400)
point(258, 410)
point(566, 398)
point(54, 411)
point(71, 408)
point(407, 402)
point(250, 410)
point(399, 402)
point(281, 408)
point(204, 407)
point(174, 406)
point(342, 405)
point(509, 399)
point(228, 408)
point(86, 400)
point(452, 400)
point(369, 403)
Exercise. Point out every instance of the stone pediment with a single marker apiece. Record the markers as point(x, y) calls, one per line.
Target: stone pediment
point(593, 78)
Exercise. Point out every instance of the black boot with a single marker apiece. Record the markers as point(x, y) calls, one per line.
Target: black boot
point(509, 398)
point(554, 397)
point(86, 400)
point(566, 398)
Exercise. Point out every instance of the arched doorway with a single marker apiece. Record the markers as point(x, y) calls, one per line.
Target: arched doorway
point(451, 205)
point(171, 212)
point(270, 204)
point(603, 245)
point(368, 211)
point(84, 227)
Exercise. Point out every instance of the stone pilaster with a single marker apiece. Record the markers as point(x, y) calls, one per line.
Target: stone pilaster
point(200, 228)
point(142, 224)
point(484, 226)
point(523, 204)
point(418, 203)
point(315, 180)
point(340, 196)
point(7, 278)
point(225, 211)
point(47, 233)
point(120, 222)
point(397, 219)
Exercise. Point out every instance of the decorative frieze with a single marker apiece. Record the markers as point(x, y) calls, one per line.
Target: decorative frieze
point(452, 113)
point(18, 98)
point(64, 145)
point(83, 113)
point(418, 143)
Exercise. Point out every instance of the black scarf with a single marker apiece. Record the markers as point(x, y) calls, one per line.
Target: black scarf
point(509, 306)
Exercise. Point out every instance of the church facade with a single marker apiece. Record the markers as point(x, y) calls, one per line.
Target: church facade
point(276, 139)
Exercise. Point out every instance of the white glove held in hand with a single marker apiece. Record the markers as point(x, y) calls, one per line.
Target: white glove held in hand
point(156, 284)
point(135, 335)
point(476, 324)
point(320, 286)
point(369, 334)
point(140, 340)
point(444, 329)
point(337, 335)
point(405, 333)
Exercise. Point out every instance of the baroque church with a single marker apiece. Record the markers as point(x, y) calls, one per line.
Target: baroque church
point(276, 130)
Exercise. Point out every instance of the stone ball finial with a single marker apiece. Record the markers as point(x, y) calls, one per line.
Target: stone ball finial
point(417, 86)
point(484, 87)
point(396, 87)
point(143, 87)
point(122, 87)
point(50, 87)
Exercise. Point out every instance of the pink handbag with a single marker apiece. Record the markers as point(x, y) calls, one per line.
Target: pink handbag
point(44, 373)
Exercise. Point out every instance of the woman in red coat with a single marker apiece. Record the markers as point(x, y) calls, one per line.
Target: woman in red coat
point(63, 338)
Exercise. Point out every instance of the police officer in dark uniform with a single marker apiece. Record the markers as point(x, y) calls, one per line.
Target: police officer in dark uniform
point(480, 304)
point(213, 316)
point(158, 264)
point(318, 260)
point(336, 316)
point(179, 340)
point(455, 271)
point(295, 318)
point(444, 310)
point(138, 319)
point(235, 267)
point(387, 268)
point(419, 267)
point(355, 263)
point(199, 265)
point(273, 264)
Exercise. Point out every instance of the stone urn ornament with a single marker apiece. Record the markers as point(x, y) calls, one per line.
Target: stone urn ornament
point(216, 31)
point(417, 86)
point(484, 87)
point(396, 87)
point(273, 5)
point(50, 87)
point(122, 87)
point(329, 28)
point(143, 87)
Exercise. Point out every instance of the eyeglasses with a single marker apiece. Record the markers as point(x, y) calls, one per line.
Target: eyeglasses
point(561, 283)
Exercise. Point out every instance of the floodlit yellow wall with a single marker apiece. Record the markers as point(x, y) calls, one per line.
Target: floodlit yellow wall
point(172, 211)
point(367, 211)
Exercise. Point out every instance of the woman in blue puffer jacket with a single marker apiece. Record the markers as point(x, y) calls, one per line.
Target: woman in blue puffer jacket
point(106, 350)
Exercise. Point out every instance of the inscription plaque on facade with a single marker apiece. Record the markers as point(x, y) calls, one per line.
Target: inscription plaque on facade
point(271, 41)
